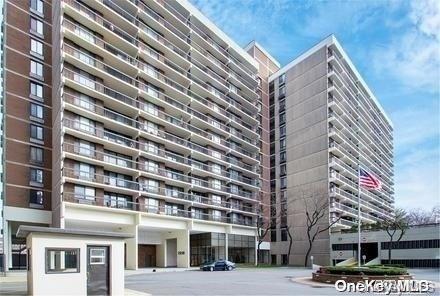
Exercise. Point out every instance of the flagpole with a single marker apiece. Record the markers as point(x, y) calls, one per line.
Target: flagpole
point(359, 216)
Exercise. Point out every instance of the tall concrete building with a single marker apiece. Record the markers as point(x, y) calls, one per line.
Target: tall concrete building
point(325, 123)
point(133, 116)
point(141, 116)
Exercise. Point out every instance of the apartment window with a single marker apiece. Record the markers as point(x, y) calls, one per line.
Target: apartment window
point(152, 91)
point(36, 68)
point(282, 92)
point(283, 144)
point(283, 182)
point(282, 131)
point(36, 91)
point(152, 147)
point(37, 5)
point(282, 118)
point(282, 105)
point(36, 111)
point(85, 33)
point(36, 47)
point(85, 124)
point(273, 235)
point(283, 156)
point(283, 169)
point(216, 199)
point(216, 215)
point(151, 127)
point(151, 185)
point(62, 260)
point(234, 189)
point(216, 168)
point(115, 200)
point(36, 26)
point(282, 79)
point(36, 155)
point(151, 108)
point(216, 184)
point(151, 166)
point(215, 138)
point(152, 205)
point(36, 198)
point(36, 132)
point(216, 154)
point(36, 176)
point(85, 171)
point(85, 148)
point(84, 193)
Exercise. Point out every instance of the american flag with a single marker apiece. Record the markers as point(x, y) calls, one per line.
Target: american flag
point(368, 180)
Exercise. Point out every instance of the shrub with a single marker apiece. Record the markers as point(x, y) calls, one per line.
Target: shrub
point(377, 270)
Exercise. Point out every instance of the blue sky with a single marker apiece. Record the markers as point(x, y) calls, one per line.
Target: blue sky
point(394, 45)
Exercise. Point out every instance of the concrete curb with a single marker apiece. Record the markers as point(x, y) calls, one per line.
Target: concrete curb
point(129, 292)
point(309, 282)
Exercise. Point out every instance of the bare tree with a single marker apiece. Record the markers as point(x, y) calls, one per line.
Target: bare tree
point(262, 230)
point(316, 214)
point(288, 228)
point(396, 225)
point(420, 217)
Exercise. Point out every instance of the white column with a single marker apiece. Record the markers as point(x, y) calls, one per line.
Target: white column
point(132, 248)
point(226, 247)
point(7, 250)
point(256, 255)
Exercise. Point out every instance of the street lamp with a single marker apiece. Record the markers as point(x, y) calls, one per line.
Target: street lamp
point(311, 260)
point(363, 258)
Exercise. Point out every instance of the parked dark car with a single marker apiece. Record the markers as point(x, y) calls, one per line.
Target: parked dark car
point(218, 265)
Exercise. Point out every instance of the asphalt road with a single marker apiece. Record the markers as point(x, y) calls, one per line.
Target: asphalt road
point(244, 281)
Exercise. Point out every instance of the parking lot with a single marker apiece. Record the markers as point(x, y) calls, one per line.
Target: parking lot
point(243, 281)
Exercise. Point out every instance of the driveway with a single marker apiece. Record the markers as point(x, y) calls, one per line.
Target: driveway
point(243, 281)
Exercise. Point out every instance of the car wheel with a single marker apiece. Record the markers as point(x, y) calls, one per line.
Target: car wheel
point(229, 268)
point(211, 268)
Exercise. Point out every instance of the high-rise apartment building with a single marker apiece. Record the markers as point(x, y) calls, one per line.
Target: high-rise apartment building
point(325, 124)
point(27, 122)
point(151, 128)
point(141, 116)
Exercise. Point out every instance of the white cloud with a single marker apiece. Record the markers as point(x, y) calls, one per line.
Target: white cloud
point(417, 157)
point(412, 56)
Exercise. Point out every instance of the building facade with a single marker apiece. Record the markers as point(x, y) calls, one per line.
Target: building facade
point(151, 128)
point(27, 122)
point(267, 65)
point(141, 116)
point(418, 248)
point(325, 122)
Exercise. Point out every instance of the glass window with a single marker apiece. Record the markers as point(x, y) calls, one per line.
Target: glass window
point(97, 256)
point(82, 192)
point(37, 111)
point(36, 175)
point(37, 90)
point(37, 5)
point(282, 92)
point(36, 154)
point(282, 79)
point(36, 68)
point(36, 197)
point(36, 26)
point(37, 47)
point(282, 144)
point(62, 260)
point(283, 182)
point(36, 132)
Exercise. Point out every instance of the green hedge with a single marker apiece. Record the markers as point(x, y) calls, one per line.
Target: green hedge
point(377, 270)
point(387, 265)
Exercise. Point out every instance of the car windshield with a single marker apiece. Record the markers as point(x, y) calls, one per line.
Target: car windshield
point(208, 263)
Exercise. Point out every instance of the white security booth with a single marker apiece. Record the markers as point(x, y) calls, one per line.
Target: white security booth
point(74, 262)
